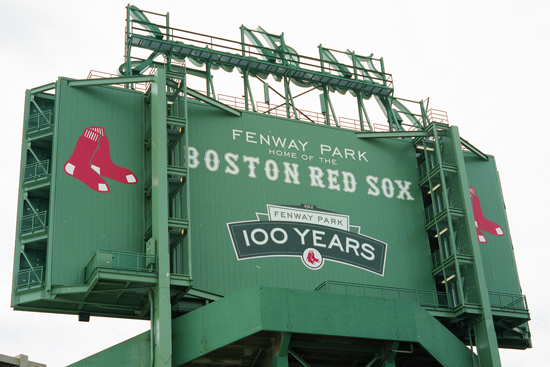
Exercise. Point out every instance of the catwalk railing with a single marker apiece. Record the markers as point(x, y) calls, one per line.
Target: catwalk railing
point(30, 278)
point(280, 110)
point(118, 260)
point(433, 300)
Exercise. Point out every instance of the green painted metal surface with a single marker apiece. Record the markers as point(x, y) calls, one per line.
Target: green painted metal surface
point(284, 310)
point(135, 352)
point(497, 252)
point(293, 312)
point(161, 306)
point(221, 149)
point(86, 220)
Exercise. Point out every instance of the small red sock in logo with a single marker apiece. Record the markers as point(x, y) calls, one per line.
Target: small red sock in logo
point(311, 257)
point(103, 165)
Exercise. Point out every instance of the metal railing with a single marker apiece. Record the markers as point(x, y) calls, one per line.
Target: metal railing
point(426, 167)
point(428, 214)
point(508, 301)
point(429, 299)
point(435, 259)
point(183, 43)
point(33, 223)
point(264, 108)
point(438, 256)
point(94, 74)
point(438, 116)
point(37, 170)
point(30, 278)
point(118, 260)
point(39, 121)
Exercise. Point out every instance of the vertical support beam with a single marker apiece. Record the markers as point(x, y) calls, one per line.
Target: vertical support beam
point(443, 196)
point(187, 183)
point(210, 92)
point(484, 328)
point(390, 359)
point(162, 319)
point(425, 120)
point(287, 98)
point(51, 209)
point(326, 107)
point(280, 361)
point(387, 105)
point(363, 112)
point(21, 197)
point(128, 44)
point(248, 92)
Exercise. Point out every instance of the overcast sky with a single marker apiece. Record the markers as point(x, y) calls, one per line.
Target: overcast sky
point(484, 62)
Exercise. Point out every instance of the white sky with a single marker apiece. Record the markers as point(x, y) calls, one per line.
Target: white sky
point(484, 62)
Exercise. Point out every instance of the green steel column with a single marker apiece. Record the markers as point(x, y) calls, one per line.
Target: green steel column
point(484, 328)
point(445, 198)
point(161, 322)
point(128, 45)
point(59, 84)
point(280, 361)
point(21, 197)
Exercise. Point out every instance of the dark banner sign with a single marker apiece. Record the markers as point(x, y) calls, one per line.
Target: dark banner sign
point(315, 236)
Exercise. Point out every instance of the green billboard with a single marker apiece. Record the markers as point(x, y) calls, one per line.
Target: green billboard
point(274, 199)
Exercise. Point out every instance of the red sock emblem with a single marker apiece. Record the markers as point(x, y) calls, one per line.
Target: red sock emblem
point(91, 159)
point(483, 223)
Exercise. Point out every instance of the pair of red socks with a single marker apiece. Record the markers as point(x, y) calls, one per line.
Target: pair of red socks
point(481, 222)
point(91, 161)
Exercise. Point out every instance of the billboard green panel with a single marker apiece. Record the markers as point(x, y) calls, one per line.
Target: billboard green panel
point(98, 197)
point(286, 203)
point(493, 233)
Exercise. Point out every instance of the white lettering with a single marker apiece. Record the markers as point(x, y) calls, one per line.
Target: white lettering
point(211, 160)
point(369, 250)
point(372, 181)
point(193, 157)
point(350, 184)
point(291, 174)
point(250, 136)
point(232, 168)
point(255, 240)
point(404, 190)
point(317, 237)
point(302, 234)
point(236, 133)
point(349, 245)
point(315, 175)
point(335, 242)
point(271, 170)
point(332, 177)
point(337, 152)
point(280, 230)
point(387, 187)
point(349, 152)
point(252, 163)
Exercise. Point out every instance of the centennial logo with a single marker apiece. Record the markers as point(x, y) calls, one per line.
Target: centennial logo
point(312, 234)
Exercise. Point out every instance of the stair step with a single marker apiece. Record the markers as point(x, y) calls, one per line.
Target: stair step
point(178, 223)
point(176, 121)
point(177, 171)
